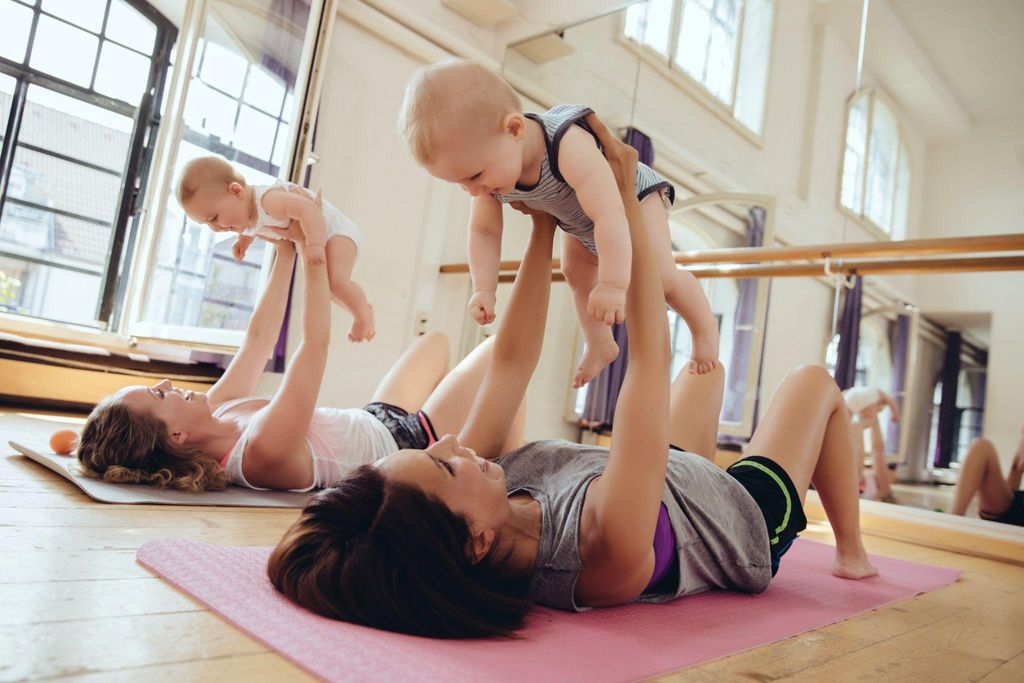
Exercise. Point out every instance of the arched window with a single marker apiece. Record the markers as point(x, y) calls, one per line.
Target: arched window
point(80, 87)
point(876, 166)
point(723, 45)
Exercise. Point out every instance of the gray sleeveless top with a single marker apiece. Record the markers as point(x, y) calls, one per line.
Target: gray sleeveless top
point(553, 195)
point(721, 538)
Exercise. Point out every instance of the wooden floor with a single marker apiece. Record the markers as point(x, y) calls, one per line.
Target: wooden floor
point(74, 604)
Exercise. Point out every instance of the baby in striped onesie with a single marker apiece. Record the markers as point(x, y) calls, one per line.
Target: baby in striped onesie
point(466, 125)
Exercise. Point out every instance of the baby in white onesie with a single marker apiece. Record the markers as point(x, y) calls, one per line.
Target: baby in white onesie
point(213, 193)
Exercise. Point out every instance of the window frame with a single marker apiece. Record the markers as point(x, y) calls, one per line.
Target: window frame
point(665, 65)
point(309, 82)
point(902, 154)
point(140, 152)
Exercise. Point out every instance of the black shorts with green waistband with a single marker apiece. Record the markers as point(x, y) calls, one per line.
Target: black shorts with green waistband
point(774, 492)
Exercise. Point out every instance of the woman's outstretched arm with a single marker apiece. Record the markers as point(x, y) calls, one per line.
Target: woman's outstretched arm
point(281, 428)
point(624, 501)
point(241, 376)
point(517, 347)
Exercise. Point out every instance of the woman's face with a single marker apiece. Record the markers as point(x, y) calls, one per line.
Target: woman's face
point(179, 409)
point(467, 484)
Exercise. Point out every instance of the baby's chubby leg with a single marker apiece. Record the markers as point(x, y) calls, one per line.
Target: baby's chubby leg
point(341, 257)
point(682, 291)
point(580, 269)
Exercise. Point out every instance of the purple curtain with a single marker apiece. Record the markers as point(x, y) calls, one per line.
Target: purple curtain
point(900, 344)
point(743, 327)
point(849, 335)
point(603, 390)
point(945, 447)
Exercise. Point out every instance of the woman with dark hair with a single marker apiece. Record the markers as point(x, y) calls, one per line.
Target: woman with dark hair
point(458, 539)
point(190, 441)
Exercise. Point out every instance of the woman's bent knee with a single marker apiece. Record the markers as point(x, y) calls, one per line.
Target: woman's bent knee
point(815, 378)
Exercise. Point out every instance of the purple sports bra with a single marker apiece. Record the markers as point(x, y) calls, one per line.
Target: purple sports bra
point(664, 547)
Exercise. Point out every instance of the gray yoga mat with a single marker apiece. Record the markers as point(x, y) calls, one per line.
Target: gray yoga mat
point(106, 492)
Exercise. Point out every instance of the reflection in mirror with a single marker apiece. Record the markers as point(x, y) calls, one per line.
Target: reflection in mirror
point(930, 149)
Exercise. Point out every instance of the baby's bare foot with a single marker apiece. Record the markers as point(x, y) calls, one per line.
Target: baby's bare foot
point(705, 354)
point(363, 328)
point(854, 565)
point(596, 357)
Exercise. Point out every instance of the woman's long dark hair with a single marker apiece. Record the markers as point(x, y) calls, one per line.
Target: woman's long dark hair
point(384, 554)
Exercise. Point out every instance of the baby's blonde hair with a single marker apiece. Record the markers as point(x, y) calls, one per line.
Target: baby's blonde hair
point(455, 95)
point(205, 171)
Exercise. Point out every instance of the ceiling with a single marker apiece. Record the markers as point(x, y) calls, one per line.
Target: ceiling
point(976, 46)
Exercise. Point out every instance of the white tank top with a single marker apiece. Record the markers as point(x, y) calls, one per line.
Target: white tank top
point(339, 441)
point(337, 222)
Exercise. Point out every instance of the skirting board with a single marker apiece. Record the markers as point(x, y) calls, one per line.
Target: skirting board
point(970, 536)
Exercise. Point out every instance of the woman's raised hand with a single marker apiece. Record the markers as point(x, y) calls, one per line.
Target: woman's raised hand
point(622, 158)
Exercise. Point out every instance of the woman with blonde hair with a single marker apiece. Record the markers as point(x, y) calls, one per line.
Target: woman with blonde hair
point(171, 438)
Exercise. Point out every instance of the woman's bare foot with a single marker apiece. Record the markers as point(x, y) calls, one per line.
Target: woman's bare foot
point(363, 327)
point(705, 354)
point(596, 357)
point(852, 565)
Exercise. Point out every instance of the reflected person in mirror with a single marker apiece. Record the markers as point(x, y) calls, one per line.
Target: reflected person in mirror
point(999, 498)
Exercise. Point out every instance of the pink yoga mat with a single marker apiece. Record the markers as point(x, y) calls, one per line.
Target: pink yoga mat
point(622, 643)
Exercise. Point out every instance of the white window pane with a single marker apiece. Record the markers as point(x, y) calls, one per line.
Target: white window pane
point(223, 69)
point(255, 133)
point(264, 91)
point(7, 85)
point(15, 24)
point(755, 57)
point(726, 11)
point(281, 145)
point(127, 26)
point(691, 53)
point(74, 128)
point(902, 199)
point(85, 13)
point(650, 23)
point(721, 53)
point(122, 74)
point(64, 51)
point(882, 153)
point(289, 107)
point(208, 111)
point(851, 180)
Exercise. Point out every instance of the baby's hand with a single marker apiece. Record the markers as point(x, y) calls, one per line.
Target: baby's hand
point(481, 307)
point(241, 246)
point(315, 254)
point(607, 304)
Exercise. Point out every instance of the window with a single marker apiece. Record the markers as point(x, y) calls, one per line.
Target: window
point(79, 85)
point(240, 103)
point(724, 45)
point(876, 167)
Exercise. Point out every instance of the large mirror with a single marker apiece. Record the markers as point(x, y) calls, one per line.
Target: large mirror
point(858, 121)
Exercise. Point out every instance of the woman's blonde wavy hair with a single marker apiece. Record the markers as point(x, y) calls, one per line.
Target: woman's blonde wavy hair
point(126, 446)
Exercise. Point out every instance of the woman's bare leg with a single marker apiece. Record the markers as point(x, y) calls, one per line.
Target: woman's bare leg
point(682, 291)
point(415, 374)
point(695, 402)
point(449, 404)
point(806, 430)
point(980, 474)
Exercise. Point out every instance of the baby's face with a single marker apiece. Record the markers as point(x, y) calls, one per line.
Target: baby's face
point(223, 210)
point(490, 164)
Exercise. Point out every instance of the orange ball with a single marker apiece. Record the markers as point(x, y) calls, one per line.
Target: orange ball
point(64, 441)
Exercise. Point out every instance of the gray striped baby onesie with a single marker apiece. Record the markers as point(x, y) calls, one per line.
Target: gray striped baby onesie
point(553, 195)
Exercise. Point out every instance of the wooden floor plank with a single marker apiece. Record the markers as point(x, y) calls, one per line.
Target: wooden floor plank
point(258, 667)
